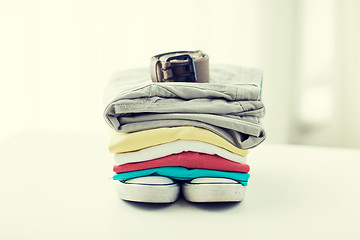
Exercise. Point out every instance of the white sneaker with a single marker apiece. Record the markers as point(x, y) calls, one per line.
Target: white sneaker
point(150, 189)
point(213, 190)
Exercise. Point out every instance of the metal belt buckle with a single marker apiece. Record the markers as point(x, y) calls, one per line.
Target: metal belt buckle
point(191, 76)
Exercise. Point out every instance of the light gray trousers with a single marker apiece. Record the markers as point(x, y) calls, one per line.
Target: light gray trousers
point(229, 105)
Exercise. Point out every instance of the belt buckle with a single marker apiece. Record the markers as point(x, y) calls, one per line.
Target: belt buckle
point(191, 76)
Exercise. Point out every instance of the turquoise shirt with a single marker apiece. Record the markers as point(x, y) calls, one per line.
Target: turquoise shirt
point(181, 173)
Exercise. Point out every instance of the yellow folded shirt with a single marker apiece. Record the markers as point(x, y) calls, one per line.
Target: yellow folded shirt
point(121, 142)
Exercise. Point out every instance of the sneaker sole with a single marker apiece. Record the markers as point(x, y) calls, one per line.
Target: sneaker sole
point(213, 192)
point(147, 193)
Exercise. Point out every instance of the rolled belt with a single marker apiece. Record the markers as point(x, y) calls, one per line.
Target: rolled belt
point(181, 66)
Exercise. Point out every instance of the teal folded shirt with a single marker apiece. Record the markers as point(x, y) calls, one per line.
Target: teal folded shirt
point(181, 173)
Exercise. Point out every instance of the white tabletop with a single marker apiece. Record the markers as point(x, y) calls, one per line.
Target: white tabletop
point(58, 186)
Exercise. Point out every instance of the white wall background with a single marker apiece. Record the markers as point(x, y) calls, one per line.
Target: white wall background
point(56, 56)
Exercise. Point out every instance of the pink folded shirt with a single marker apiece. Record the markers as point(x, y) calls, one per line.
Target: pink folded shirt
point(187, 160)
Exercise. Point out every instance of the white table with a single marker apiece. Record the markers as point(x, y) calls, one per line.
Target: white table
point(57, 186)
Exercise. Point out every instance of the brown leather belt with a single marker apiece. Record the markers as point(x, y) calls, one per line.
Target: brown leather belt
point(181, 66)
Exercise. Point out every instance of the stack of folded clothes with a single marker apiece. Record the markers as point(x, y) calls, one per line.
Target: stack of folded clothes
point(189, 136)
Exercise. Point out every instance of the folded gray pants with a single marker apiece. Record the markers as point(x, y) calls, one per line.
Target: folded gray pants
point(228, 105)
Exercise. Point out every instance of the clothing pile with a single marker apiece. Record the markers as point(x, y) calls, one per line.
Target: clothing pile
point(168, 137)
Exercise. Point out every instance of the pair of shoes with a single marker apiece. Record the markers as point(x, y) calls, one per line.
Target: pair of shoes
point(157, 189)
